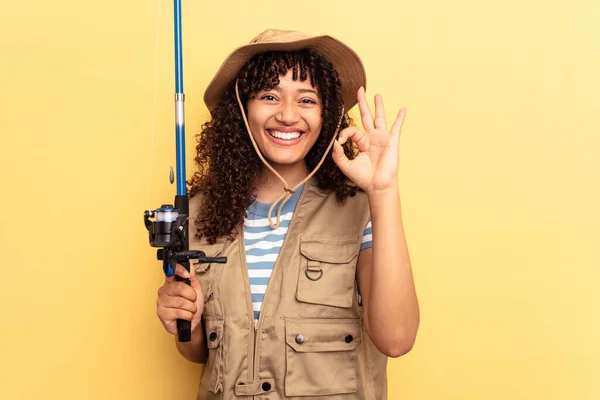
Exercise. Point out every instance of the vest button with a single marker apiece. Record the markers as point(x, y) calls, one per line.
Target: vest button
point(266, 386)
point(213, 336)
point(299, 339)
point(349, 339)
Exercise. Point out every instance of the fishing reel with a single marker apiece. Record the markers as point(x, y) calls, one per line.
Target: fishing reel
point(169, 231)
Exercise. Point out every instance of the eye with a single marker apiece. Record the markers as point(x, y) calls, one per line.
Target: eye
point(268, 97)
point(308, 101)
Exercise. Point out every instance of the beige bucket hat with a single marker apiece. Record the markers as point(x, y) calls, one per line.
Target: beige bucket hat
point(345, 61)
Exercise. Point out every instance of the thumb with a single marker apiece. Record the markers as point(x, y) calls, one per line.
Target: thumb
point(339, 157)
point(194, 282)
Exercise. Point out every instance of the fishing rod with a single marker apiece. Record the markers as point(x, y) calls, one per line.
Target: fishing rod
point(169, 229)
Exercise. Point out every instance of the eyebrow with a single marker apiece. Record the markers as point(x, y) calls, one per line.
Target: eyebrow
point(278, 89)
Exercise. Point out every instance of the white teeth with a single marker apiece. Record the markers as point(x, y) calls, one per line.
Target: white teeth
point(285, 135)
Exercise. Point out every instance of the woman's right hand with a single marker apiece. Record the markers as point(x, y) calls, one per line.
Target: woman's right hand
point(176, 300)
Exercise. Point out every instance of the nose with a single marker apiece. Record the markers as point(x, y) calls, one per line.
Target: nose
point(287, 113)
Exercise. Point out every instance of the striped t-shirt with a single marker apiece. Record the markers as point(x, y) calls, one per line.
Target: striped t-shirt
point(263, 244)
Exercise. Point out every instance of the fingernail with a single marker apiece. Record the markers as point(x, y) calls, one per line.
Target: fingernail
point(186, 274)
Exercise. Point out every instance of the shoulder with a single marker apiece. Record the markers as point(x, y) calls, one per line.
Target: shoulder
point(194, 205)
point(327, 214)
point(195, 200)
point(352, 203)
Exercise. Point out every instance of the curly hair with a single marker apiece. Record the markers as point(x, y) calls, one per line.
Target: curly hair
point(228, 166)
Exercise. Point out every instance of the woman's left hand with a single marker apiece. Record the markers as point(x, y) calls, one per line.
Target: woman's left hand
point(375, 168)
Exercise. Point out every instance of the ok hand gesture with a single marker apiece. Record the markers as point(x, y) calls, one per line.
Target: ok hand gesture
point(375, 168)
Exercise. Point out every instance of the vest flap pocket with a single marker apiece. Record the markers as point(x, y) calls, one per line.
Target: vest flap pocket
point(210, 250)
point(335, 251)
point(214, 332)
point(314, 336)
point(327, 272)
point(321, 356)
point(202, 268)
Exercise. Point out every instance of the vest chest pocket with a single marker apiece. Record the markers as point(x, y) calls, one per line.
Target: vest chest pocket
point(321, 356)
point(212, 374)
point(327, 271)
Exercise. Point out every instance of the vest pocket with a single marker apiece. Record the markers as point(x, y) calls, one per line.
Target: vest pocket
point(212, 374)
point(327, 271)
point(321, 356)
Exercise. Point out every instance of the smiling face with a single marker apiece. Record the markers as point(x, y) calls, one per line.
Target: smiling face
point(286, 120)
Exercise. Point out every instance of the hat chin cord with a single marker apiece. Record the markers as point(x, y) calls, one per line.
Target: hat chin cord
point(287, 192)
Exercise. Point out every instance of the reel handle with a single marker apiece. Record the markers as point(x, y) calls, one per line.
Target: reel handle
point(184, 328)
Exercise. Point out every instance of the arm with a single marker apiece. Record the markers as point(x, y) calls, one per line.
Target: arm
point(384, 274)
point(178, 300)
point(391, 312)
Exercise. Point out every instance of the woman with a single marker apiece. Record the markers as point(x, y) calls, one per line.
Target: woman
point(317, 291)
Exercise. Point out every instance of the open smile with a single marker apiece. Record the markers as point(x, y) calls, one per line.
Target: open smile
point(284, 135)
point(290, 137)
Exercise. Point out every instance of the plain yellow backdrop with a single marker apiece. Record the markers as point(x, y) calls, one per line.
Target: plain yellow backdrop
point(499, 179)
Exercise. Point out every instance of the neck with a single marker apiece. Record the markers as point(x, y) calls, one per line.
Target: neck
point(270, 187)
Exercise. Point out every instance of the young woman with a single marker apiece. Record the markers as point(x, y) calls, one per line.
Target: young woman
point(317, 291)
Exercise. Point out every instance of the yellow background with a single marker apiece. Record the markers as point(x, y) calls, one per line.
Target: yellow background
point(499, 178)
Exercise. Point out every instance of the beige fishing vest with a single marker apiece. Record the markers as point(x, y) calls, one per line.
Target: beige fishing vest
point(309, 340)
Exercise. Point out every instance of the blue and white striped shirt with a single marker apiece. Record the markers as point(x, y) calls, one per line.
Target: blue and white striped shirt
point(263, 244)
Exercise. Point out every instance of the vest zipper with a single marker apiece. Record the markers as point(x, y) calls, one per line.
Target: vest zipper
point(253, 322)
point(258, 322)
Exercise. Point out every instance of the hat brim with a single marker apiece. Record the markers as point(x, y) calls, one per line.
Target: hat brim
point(346, 62)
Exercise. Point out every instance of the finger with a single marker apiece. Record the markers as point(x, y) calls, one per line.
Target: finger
point(181, 289)
point(365, 112)
point(178, 303)
point(179, 271)
point(397, 126)
point(194, 282)
point(339, 157)
point(357, 136)
point(380, 113)
point(171, 314)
